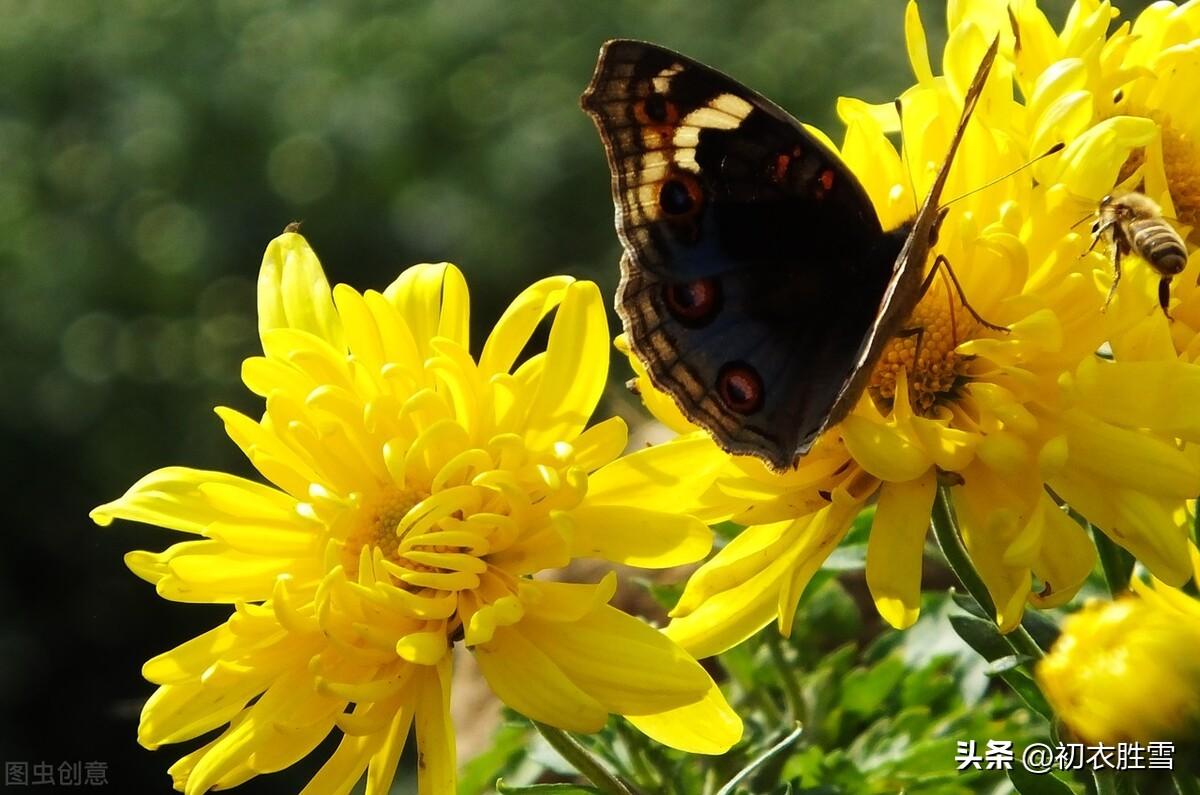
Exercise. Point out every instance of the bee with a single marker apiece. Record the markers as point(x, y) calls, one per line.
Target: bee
point(1133, 223)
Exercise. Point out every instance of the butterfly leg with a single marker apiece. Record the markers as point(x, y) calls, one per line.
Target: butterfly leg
point(941, 262)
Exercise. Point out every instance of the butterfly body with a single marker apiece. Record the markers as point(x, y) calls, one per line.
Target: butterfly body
point(758, 286)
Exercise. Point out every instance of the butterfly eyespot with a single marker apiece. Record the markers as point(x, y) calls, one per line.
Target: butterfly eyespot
point(680, 195)
point(783, 161)
point(693, 303)
point(740, 388)
point(655, 109)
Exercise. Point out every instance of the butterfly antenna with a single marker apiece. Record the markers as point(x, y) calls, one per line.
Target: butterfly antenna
point(905, 162)
point(1058, 147)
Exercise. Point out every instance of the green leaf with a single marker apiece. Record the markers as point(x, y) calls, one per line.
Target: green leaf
point(1006, 663)
point(982, 635)
point(507, 746)
point(547, 789)
point(665, 594)
point(864, 690)
point(762, 759)
point(1028, 783)
point(1024, 686)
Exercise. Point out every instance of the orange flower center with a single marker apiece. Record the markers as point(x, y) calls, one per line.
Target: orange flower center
point(928, 357)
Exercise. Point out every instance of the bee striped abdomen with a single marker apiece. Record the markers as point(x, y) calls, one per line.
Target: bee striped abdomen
point(1157, 242)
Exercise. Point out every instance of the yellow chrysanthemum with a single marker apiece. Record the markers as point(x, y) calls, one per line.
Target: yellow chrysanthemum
point(1016, 424)
point(414, 494)
point(1128, 670)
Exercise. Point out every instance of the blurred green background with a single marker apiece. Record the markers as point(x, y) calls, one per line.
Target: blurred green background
point(149, 150)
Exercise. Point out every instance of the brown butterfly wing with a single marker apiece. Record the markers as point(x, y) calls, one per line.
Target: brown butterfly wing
point(756, 276)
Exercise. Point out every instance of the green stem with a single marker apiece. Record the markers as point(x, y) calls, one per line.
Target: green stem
point(946, 532)
point(791, 687)
point(1186, 783)
point(1106, 784)
point(579, 757)
point(1116, 562)
point(646, 773)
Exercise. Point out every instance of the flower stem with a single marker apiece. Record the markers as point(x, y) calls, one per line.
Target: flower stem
point(1117, 564)
point(1106, 783)
point(579, 757)
point(787, 675)
point(946, 532)
point(1186, 783)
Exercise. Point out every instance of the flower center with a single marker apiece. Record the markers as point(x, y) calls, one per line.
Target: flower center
point(377, 522)
point(933, 368)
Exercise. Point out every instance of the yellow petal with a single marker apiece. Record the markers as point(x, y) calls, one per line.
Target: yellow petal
point(708, 726)
point(190, 500)
point(674, 476)
point(526, 679)
point(434, 302)
point(1152, 394)
point(293, 292)
point(437, 760)
point(896, 546)
point(1066, 558)
point(991, 512)
point(884, 450)
point(601, 444)
point(914, 39)
point(516, 325)
point(575, 370)
point(622, 662)
point(382, 768)
point(638, 536)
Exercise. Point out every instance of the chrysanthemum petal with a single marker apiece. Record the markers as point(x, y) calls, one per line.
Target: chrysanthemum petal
point(382, 768)
point(184, 499)
point(601, 443)
point(707, 726)
point(895, 548)
point(436, 759)
point(293, 292)
point(567, 394)
point(433, 301)
point(599, 651)
point(638, 536)
point(883, 450)
point(992, 511)
point(528, 680)
point(914, 39)
point(674, 476)
point(518, 322)
point(1150, 394)
point(1065, 558)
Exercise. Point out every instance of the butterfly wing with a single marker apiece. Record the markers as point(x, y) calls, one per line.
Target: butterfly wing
point(754, 261)
point(757, 286)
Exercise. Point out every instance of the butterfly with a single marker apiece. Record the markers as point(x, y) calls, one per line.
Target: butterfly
point(758, 286)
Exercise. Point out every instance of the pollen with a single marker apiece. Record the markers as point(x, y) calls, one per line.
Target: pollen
point(377, 522)
point(926, 351)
